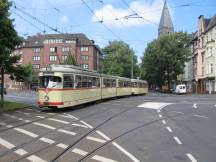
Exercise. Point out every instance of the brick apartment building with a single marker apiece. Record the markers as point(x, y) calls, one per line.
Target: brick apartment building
point(43, 50)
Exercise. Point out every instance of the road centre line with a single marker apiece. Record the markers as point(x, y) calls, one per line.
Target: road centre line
point(80, 152)
point(88, 125)
point(60, 121)
point(164, 122)
point(79, 125)
point(102, 159)
point(103, 135)
point(21, 152)
point(6, 143)
point(67, 132)
point(177, 140)
point(190, 156)
point(96, 139)
point(169, 129)
point(44, 125)
point(126, 152)
point(47, 140)
point(178, 112)
point(201, 116)
point(195, 105)
point(160, 116)
point(35, 158)
point(26, 132)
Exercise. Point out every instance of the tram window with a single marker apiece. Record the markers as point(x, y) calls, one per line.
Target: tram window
point(50, 82)
point(68, 81)
point(78, 82)
point(97, 82)
point(84, 81)
point(120, 83)
point(90, 82)
point(113, 83)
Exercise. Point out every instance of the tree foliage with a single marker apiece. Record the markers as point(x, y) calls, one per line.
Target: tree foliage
point(165, 57)
point(70, 60)
point(9, 39)
point(118, 60)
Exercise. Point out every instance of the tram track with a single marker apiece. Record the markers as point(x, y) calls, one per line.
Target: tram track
point(47, 133)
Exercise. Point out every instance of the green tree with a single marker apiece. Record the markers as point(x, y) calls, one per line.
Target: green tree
point(118, 60)
point(9, 39)
point(165, 57)
point(70, 60)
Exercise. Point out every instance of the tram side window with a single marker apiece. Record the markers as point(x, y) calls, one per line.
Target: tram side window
point(120, 83)
point(78, 81)
point(95, 82)
point(68, 81)
point(84, 81)
point(113, 83)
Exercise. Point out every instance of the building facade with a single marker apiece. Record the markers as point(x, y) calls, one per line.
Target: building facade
point(43, 50)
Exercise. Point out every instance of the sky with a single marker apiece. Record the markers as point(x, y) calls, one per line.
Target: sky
point(132, 21)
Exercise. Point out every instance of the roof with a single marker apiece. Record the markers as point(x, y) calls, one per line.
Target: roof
point(211, 24)
point(37, 40)
point(165, 20)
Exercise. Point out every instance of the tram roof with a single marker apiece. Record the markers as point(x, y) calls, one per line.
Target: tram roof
point(137, 80)
point(77, 70)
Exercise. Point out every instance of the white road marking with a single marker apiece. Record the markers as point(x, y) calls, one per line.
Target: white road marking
point(79, 125)
point(42, 117)
point(6, 143)
point(51, 113)
point(103, 135)
point(29, 109)
point(21, 152)
point(158, 111)
point(35, 158)
point(88, 125)
point(169, 129)
point(60, 121)
point(190, 156)
point(67, 132)
point(61, 145)
point(26, 113)
point(154, 105)
point(126, 152)
point(9, 126)
point(102, 159)
point(96, 139)
point(69, 116)
point(26, 132)
point(177, 140)
point(47, 140)
point(80, 152)
point(201, 116)
point(164, 122)
point(178, 112)
point(195, 106)
point(44, 125)
point(27, 121)
point(160, 116)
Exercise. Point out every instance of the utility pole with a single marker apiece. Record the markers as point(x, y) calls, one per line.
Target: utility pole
point(132, 66)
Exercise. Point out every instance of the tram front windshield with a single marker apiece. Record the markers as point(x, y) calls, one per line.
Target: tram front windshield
point(50, 82)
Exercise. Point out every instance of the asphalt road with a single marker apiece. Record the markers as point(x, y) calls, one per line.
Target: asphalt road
point(152, 128)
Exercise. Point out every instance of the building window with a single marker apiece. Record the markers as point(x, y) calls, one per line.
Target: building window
point(84, 66)
point(65, 49)
point(36, 66)
point(83, 49)
point(70, 41)
point(36, 58)
point(64, 57)
point(211, 68)
point(53, 49)
point(53, 58)
point(84, 58)
point(36, 50)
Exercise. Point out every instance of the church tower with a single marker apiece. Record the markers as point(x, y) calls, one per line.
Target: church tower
point(166, 25)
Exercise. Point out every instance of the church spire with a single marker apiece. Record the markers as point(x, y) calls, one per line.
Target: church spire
point(166, 25)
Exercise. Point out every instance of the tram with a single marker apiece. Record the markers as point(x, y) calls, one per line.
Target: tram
point(66, 85)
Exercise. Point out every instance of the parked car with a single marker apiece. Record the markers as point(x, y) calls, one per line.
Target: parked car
point(4, 90)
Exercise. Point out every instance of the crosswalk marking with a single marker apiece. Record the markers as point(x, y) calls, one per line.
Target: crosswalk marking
point(66, 131)
point(44, 125)
point(26, 132)
point(6, 143)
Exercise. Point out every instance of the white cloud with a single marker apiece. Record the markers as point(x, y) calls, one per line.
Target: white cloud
point(146, 10)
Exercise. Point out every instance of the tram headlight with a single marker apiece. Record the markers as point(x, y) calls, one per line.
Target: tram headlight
point(46, 98)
